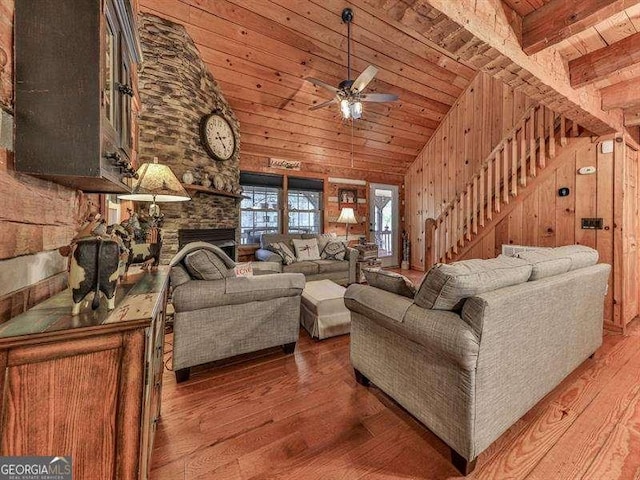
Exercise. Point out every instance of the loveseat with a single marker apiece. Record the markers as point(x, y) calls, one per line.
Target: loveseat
point(219, 315)
point(340, 271)
point(481, 342)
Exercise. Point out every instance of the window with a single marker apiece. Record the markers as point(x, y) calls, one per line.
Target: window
point(305, 208)
point(259, 213)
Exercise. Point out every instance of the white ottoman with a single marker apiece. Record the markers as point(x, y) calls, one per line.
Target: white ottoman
point(322, 310)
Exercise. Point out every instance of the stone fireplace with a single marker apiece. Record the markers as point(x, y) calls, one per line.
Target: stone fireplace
point(177, 91)
point(225, 238)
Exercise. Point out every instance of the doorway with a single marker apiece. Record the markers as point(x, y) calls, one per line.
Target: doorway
point(384, 222)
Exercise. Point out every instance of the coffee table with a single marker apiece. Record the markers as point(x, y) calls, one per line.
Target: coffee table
point(322, 310)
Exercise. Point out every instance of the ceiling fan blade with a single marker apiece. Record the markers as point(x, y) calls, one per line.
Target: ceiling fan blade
point(324, 104)
point(320, 83)
point(363, 79)
point(379, 97)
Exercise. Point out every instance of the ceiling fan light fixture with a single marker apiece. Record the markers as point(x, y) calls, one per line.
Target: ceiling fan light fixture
point(356, 109)
point(345, 108)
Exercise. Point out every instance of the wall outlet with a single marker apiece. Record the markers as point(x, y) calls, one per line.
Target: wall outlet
point(606, 146)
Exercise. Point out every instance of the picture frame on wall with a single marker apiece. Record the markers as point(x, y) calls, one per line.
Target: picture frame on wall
point(347, 197)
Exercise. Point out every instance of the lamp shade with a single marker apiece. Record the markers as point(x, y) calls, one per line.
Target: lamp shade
point(347, 216)
point(156, 183)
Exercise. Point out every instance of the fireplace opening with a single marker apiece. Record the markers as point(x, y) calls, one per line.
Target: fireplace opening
point(225, 238)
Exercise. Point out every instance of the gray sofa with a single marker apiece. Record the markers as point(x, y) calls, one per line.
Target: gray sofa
point(342, 272)
point(221, 315)
point(482, 341)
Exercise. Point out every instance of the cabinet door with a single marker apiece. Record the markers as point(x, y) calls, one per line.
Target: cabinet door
point(125, 93)
point(111, 73)
point(62, 399)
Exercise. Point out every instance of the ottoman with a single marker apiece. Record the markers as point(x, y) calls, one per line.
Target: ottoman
point(322, 310)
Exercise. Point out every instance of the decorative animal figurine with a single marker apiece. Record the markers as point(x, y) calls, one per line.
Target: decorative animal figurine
point(94, 267)
point(140, 250)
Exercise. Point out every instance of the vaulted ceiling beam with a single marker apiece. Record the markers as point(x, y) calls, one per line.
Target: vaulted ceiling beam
point(603, 62)
point(561, 19)
point(621, 95)
point(542, 76)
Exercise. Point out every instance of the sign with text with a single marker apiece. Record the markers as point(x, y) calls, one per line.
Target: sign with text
point(35, 468)
point(285, 164)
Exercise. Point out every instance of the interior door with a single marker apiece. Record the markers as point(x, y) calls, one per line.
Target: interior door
point(384, 222)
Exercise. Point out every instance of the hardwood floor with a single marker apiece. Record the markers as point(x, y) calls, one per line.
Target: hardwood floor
point(304, 417)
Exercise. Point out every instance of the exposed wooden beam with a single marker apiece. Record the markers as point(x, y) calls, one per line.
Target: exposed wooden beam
point(541, 76)
point(561, 19)
point(632, 117)
point(605, 61)
point(621, 95)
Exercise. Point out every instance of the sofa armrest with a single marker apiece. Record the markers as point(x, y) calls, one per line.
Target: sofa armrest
point(352, 255)
point(200, 294)
point(264, 255)
point(438, 331)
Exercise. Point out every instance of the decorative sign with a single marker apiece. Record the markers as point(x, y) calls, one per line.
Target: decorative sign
point(284, 164)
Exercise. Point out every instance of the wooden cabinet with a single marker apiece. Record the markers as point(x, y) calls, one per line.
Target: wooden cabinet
point(86, 386)
point(74, 89)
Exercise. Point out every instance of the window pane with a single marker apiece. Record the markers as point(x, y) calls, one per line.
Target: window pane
point(259, 213)
point(305, 211)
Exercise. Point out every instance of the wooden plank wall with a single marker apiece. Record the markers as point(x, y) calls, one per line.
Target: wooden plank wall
point(542, 218)
point(476, 123)
point(35, 215)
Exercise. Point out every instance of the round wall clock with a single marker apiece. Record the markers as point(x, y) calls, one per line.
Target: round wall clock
point(217, 136)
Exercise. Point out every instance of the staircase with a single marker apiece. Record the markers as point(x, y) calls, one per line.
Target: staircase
point(521, 156)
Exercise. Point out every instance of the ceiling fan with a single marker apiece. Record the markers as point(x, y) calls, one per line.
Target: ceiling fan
point(349, 92)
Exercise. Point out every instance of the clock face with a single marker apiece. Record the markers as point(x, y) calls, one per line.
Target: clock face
point(218, 137)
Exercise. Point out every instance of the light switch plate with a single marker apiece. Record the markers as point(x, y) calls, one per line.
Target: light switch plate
point(606, 146)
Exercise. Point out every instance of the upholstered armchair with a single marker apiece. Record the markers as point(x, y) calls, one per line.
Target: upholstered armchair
point(219, 315)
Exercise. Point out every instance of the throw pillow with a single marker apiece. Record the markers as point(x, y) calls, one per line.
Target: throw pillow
point(284, 251)
point(334, 250)
point(306, 250)
point(323, 239)
point(205, 265)
point(391, 282)
point(243, 270)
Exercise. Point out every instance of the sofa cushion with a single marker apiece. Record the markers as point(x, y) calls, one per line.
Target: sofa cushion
point(334, 250)
point(580, 255)
point(446, 287)
point(284, 251)
point(178, 275)
point(205, 265)
point(548, 262)
point(271, 238)
point(308, 268)
point(544, 263)
point(328, 266)
point(306, 250)
point(391, 282)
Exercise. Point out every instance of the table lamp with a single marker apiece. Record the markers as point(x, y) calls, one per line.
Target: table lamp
point(348, 217)
point(156, 183)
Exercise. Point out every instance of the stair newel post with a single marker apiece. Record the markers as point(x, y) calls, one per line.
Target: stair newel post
point(505, 173)
point(489, 186)
point(563, 130)
point(514, 164)
point(429, 235)
point(532, 143)
point(552, 133)
point(474, 206)
point(523, 153)
point(483, 200)
point(542, 160)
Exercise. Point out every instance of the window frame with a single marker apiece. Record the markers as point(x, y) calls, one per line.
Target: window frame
point(265, 211)
point(319, 211)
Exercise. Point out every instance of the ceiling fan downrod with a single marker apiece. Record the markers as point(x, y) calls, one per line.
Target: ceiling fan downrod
point(347, 17)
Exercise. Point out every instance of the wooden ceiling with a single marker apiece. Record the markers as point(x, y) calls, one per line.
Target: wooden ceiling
point(260, 52)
